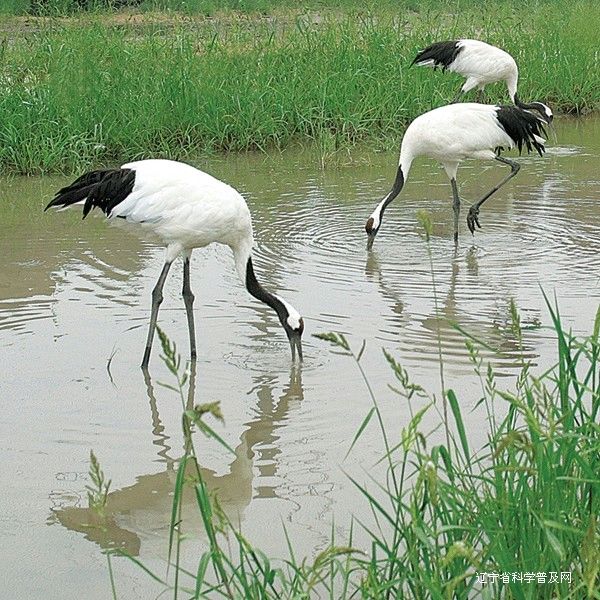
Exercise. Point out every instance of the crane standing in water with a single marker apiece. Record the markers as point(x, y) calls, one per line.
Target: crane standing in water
point(452, 133)
point(187, 209)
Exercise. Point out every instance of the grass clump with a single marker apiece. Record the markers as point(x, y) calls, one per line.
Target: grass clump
point(75, 93)
point(516, 519)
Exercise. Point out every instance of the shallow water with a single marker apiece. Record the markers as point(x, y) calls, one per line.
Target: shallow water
point(75, 295)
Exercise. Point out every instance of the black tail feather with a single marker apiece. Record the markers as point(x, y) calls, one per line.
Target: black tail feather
point(104, 189)
point(441, 53)
point(522, 126)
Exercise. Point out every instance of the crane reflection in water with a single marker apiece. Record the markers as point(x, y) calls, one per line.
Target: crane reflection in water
point(136, 518)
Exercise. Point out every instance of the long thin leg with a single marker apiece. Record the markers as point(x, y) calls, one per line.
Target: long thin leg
point(479, 97)
point(473, 216)
point(191, 387)
point(456, 208)
point(157, 298)
point(188, 299)
point(190, 406)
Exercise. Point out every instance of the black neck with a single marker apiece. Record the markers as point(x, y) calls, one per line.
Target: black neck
point(261, 294)
point(531, 106)
point(396, 189)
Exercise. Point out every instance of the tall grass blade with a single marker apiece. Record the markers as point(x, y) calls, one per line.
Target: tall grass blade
point(362, 427)
point(201, 573)
point(460, 426)
point(176, 506)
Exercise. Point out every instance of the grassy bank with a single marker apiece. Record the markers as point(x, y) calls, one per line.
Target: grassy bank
point(82, 91)
point(523, 508)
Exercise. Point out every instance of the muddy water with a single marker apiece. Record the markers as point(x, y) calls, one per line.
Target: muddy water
point(74, 294)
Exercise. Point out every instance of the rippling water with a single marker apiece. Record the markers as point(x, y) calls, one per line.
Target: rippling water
point(74, 308)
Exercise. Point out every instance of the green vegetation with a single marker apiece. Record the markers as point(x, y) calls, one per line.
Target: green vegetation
point(527, 503)
point(110, 87)
point(210, 7)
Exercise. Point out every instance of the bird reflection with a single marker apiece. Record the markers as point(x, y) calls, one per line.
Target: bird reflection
point(136, 518)
point(160, 438)
point(478, 313)
point(373, 271)
point(270, 415)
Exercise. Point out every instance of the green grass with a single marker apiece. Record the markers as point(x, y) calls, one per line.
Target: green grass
point(210, 7)
point(527, 502)
point(79, 92)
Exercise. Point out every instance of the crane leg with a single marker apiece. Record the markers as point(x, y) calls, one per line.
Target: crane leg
point(473, 216)
point(479, 97)
point(189, 405)
point(188, 299)
point(157, 298)
point(456, 208)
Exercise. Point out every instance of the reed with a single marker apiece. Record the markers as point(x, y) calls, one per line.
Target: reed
point(90, 90)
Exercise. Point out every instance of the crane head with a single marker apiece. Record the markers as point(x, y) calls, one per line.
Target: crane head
point(544, 110)
point(292, 323)
point(295, 338)
point(371, 230)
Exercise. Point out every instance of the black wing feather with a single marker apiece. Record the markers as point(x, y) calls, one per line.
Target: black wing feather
point(104, 189)
point(442, 54)
point(522, 126)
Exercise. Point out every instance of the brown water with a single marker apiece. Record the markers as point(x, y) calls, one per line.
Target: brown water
point(73, 294)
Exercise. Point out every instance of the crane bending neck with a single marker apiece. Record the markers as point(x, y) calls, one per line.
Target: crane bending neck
point(543, 110)
point(511, 84)
point(260, 293)
point(396, 189)
point(518, 102)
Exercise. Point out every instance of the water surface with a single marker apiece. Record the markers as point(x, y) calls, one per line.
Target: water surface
point(75, 295)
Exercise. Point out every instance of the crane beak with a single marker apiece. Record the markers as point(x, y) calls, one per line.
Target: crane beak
point(371, 232)
point(371, 239)
point(296, 344)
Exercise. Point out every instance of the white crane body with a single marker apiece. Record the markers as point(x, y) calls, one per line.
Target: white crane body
point(478, 62)
point(482, 64)
point(186, 208)
point(455, 132)
point(452, 133)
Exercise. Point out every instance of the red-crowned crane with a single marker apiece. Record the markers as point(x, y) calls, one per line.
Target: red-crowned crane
point(187, 209)
point(452, 133)
point(481, 64)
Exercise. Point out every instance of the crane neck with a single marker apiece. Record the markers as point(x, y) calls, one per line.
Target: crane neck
point(407, 155)
point(518, 102)
point(260, 293)
point(376, 217)
point(396, 187)
point(543, 110)
point(242, 253)
point(511, 84)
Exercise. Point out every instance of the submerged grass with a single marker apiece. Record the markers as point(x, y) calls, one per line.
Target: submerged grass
point(522, 511)
point(83, 91)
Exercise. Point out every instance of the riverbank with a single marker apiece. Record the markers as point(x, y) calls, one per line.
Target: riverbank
point(96, 89)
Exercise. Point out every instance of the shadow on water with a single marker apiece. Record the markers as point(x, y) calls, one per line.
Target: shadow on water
point(136, 518)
